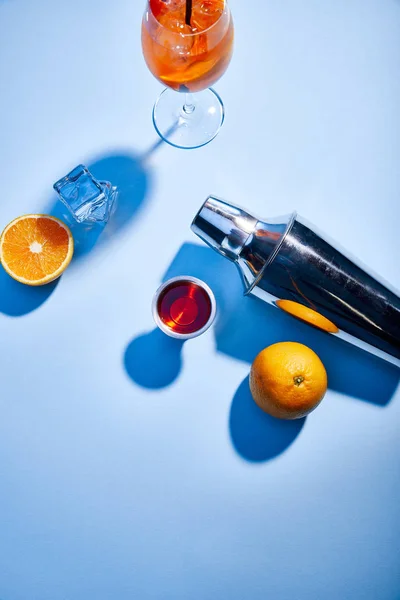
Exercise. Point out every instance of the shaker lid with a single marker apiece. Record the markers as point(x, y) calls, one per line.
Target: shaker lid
point(249, 242)
point(223, 226)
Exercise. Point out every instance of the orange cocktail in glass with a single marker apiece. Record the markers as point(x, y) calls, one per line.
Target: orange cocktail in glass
point(187, 46)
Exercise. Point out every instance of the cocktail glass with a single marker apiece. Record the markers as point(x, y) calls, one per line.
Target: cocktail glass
point(188, 52)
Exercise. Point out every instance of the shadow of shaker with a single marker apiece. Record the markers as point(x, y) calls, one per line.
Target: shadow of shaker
point(246, 325)
point(153, 360)
point(351, 370)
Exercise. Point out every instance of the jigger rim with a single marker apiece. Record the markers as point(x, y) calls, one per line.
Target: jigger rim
point(174, 334)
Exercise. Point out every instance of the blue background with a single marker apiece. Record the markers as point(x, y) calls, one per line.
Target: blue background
point(132, 466)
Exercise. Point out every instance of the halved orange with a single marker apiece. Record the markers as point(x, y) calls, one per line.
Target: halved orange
point(36, 249)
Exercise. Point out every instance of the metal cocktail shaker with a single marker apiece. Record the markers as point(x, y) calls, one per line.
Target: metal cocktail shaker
point(288, 263)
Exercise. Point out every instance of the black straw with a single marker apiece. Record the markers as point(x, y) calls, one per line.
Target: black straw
point(188, 11)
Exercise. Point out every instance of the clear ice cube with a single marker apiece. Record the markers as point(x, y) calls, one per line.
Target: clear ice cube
point(206, 13)
point(174, 35)
point(85, 197)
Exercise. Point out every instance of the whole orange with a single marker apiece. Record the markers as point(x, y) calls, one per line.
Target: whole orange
point(288, 380)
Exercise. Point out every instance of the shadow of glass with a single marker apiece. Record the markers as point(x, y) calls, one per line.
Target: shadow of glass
point(130, 175)
point(255, 435)
point(247, 325)
point(153, 360)
point(17, 299)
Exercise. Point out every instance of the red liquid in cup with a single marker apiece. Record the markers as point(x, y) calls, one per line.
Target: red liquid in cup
point(184, 307)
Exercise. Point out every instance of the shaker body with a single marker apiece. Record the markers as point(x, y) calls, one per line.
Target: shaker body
point(308, 272)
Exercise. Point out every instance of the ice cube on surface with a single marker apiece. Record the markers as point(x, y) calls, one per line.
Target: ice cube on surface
point(85, 197)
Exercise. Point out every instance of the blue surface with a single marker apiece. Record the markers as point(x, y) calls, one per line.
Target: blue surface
point(135, 467)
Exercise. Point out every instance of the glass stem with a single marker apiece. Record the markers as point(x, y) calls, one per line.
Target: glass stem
point(189, 106)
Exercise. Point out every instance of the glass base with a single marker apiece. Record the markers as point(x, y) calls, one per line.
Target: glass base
point(188, 121)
